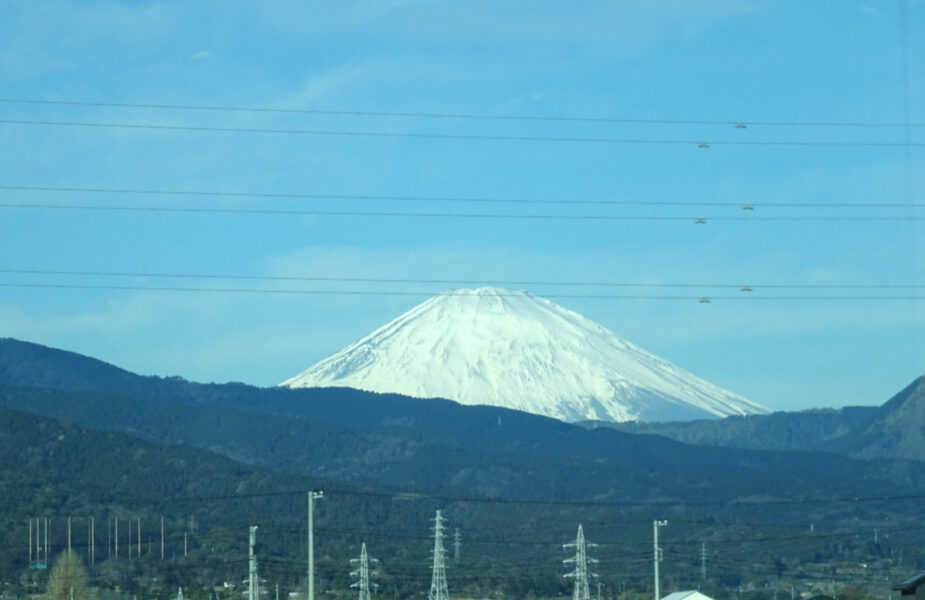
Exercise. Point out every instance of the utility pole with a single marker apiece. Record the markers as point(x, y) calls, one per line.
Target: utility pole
point(139, 537)
point(162, 538)
point(581, 574)
point(252, 571)
point(438, 588)
point(703, 561)
point(312, 496)
point(69, 537)
point(184, 544)
point(457, 542)
point(117, 537)
point(657, 552)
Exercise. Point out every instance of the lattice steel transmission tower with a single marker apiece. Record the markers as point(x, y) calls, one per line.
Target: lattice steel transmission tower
point(362, 573)
point(438, 589)
point(580, 560)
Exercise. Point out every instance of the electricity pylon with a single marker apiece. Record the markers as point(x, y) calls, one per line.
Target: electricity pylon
point(580, 560)
point(362, 573)
point(438, 589)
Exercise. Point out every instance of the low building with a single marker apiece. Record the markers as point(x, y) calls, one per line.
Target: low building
point(818, 597)
point(687, 595)
point(914, 586)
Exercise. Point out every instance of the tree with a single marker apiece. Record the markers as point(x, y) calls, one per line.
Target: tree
point(68, 579)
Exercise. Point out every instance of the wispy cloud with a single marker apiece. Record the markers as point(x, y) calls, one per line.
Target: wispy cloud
point(201, 55)
point(332, 83)
point(378, 8)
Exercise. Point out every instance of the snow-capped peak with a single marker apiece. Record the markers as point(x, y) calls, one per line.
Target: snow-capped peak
point(509, 348)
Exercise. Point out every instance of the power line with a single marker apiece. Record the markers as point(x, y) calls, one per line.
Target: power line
point(461, 116)
point(674, 549)
point(263, 291)
point(475, 282)
point(444, 215)
point(423, 496)
point(447, 199)
point(460, 136)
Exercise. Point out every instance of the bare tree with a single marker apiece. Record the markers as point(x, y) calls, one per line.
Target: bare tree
point(68, 579)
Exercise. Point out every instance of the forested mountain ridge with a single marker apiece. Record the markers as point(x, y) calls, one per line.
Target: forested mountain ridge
point(400, 442)
point(892, 430)
point(779, 431)
point(386, 463)
point(68, 475)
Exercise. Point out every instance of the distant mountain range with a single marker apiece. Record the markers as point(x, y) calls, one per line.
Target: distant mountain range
point(893, 430)
point(496, 347)
point(400, 442)
point(82, 437)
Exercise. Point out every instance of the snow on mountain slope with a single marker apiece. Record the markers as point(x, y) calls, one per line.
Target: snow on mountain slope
point(504, 348)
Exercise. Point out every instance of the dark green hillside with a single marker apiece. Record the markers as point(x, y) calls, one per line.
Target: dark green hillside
point(891, 431)
point(516, 484)
point(34, 365)
point(405, 443)
point(804, 430)
point(58, 471)
point(448, 448)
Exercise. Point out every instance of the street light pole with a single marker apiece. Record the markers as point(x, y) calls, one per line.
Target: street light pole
point(252, 565)
point(657, 551)
point(312, 496)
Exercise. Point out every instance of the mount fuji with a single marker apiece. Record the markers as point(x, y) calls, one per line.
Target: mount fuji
point(490, 346)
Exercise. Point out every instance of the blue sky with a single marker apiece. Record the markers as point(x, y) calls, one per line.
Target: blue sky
point(828, 68)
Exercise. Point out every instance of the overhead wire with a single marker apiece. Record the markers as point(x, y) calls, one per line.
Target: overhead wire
point(475, 282)
point(699, 143)
point(454, 115)
point(744, 204)
point(429, 497)
point(695, 219)
point(405, 567)
point(267, 291)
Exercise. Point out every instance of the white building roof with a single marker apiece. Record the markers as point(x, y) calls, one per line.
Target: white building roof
point(687, 595)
